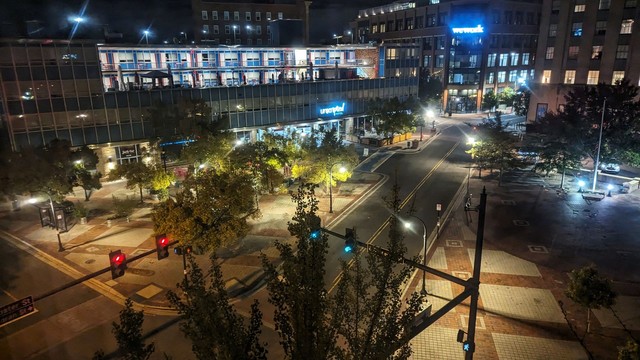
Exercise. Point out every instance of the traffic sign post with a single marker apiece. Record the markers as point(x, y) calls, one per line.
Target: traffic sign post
point(16, 310)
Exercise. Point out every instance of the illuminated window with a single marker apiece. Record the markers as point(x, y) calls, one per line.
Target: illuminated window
point(236, 15)
point(490, 78)
point(513, 76)
point(592, 77)
point(627, 25)
point(503, 59)
point(280, 16)
point(514, 59)
point(374, 29)
point(268, 16)
point(525, 59)
point(205, 15)
point(214, 15)
point(549, 54)
point(502, 76)
point(546, 76)
point(491, 60)
point(569, 77)
point(617, 76)
point(596, 52)
point(578, 8)
point(226, 15)
point(576, 29)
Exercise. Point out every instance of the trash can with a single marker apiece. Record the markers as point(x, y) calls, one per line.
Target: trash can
point(414, 144)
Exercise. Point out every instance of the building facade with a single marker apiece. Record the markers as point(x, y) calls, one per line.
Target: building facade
point(584, 42)
point(472, 46)
point(100, 95)
point(244, 22)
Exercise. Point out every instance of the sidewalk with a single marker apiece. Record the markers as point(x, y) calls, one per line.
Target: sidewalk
point(524, 275)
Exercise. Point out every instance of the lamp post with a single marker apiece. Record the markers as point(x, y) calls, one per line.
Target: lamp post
point(424, 249)
point(350, 33)
point(337, 37)
point(342, 169)
point(234, 33)
point(595, 168)
point(146, 36)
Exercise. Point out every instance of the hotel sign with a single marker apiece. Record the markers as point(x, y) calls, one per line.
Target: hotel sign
point(468, 30)
point(336, 110)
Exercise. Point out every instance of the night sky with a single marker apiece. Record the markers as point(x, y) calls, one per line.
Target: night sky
point(165, 18)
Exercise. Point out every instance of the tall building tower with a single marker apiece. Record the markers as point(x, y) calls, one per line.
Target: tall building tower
point(583, 42)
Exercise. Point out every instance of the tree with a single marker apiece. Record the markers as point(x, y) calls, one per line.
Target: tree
point(506, 96)
point(160, 181)
point(87, 180)
point(212, 149)
point(630, 351)
point(590, 290)
point(372, 317)
point(128, 334)
point(489, 101)
point(214, 327)
point(581, 116)
point(521, 102)
point(392, 116)
point(263, 161)
point(494, 148)
point(297, 288)
point(430, 90)
point(210, 212)
point(322, 151)
point(86, 157)
point(138, 174)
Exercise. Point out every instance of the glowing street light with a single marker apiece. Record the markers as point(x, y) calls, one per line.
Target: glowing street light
point(78, 19)
point(146, 36)
point(234, 33)
point(424, 250)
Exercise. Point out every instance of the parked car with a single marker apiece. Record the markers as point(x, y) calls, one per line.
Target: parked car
point(611, 168)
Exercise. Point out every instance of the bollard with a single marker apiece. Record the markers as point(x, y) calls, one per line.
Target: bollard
point(108, 223)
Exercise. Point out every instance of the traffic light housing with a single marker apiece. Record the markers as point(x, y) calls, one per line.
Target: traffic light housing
point(350, 240)
point(180, 250)
point(118, 263)
point(315, 227)
point(162, 246)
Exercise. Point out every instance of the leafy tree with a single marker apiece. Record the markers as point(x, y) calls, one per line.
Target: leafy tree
point(392, 116)
point(262, 161)
point(589, 289)
point(321, 154)
point(558, 155)
point(87, 180)
point(521, 102)
point(128, 334)
point(373, 319)
point(630, 351)
point(160, 181)
point(494, 148)
point(86, 157)
point(489, 100)
point(211, 212)
point(138, 175)
point(580, 122)
point(297, 288)
point(506, 96)
point(214, 327)
point(211, 149)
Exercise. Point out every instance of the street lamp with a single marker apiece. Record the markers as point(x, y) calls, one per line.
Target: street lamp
point(342, 169)
point(424, 249)
point(350, 33)
point(146, 36)
point(337, 37)
point(234, 33)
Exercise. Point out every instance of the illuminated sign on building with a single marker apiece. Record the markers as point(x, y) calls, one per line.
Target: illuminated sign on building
point(468, 30)
point(333, 111)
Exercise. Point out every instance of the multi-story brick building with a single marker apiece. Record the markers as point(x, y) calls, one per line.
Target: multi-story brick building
point(246, 22)
point(473, 46)
point(584, 42)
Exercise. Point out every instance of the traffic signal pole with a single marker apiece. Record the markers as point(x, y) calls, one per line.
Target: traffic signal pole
point(471, 286)
point(92, 275)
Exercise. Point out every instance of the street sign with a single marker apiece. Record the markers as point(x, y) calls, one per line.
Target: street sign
point(438, 207)
point(16, 310)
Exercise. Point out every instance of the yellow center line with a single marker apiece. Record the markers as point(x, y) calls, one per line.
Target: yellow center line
point(402, 205)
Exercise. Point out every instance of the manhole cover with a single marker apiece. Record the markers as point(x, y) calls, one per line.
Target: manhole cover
point(90, 261)
point(538, 249)
point(520, 223)
point(508, 202)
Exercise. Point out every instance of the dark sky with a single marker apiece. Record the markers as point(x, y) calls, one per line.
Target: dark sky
point(165, 18)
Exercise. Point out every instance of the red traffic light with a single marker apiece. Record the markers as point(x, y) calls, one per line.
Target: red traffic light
point(118, 263)
point(162, 246)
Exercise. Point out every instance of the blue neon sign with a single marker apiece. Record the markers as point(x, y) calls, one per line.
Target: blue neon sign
point(335, 110)
point(468, 30)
